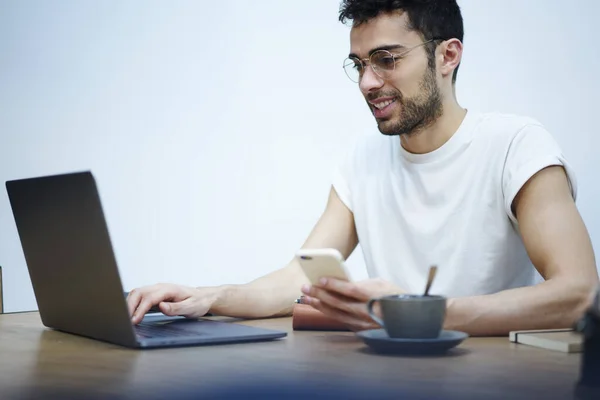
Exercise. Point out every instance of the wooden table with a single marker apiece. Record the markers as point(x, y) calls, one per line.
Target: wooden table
point(36, 360)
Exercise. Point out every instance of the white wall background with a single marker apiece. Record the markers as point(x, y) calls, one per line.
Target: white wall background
point(213, 127)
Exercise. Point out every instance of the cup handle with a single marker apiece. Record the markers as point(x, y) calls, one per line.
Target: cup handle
point(375, 318)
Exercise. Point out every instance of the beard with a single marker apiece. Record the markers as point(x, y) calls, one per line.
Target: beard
point(417, 112)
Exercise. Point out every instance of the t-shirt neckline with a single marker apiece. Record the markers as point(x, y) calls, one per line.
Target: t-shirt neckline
point(451, 145)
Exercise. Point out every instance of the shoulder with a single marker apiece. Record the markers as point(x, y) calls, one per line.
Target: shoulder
point(373, 149)
point(524, 138)
point(515, 139)
point(365, 157)
point(374, 142)
point(505, 127)
point(523, 146)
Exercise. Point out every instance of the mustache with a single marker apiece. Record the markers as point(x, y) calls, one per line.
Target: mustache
point(376, 95)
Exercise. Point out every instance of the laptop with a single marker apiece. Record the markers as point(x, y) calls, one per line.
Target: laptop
point(75, 277)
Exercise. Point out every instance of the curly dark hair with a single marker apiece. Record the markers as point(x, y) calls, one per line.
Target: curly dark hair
point(433, 19)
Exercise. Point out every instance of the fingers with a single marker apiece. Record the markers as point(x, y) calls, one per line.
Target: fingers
point(350, 313)
point(140, 301)
point(142, 309)
point(344, 288)
point(133, 300)
point(353, 322)
point(184, 308)
point(343, 302)
point(332, 299)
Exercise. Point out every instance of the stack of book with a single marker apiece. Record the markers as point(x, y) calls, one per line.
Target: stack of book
point(565, 340)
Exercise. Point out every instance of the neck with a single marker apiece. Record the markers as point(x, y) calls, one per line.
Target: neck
point(434, 136)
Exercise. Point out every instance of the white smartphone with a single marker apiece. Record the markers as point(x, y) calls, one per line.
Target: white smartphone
point(318, 263)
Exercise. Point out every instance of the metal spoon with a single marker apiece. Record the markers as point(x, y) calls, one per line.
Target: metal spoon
point(432, 272)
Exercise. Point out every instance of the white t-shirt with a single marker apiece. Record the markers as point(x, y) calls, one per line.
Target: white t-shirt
point(450, 207)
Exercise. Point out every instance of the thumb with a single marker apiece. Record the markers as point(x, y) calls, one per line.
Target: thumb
point(184, 308)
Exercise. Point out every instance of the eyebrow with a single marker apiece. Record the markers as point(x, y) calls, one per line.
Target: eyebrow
point(383, 47)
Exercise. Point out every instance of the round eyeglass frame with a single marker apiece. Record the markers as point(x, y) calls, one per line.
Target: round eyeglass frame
point(364, 62)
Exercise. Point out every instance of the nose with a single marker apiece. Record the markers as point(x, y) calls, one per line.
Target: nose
point(369, 80)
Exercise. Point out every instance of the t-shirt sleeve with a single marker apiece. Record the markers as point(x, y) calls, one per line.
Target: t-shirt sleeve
point(532, 149)
point(343, 176)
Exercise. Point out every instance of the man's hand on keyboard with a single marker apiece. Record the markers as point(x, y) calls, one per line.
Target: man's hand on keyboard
point(171, 299)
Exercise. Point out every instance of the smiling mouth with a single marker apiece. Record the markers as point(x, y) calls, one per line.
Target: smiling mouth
point(383, 104)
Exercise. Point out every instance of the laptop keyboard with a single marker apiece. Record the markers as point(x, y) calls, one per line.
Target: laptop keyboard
point(154, 331)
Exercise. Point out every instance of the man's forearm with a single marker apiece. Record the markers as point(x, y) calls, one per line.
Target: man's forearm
point(272, 295)
point(548, 305)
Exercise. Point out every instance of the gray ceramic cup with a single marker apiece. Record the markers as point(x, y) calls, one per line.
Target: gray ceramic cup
point(410, 316)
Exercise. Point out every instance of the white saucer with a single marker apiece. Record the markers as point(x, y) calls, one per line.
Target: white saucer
point(379, 341)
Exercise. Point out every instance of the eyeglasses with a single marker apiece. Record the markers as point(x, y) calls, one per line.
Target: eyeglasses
point(383, 63)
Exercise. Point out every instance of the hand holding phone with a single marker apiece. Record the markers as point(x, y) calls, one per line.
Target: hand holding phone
point(319, 263)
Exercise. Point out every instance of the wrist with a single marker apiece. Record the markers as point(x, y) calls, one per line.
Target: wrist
point(449, 322)
point(216, 296)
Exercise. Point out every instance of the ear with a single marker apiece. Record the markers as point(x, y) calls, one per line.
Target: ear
point(449, 56)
